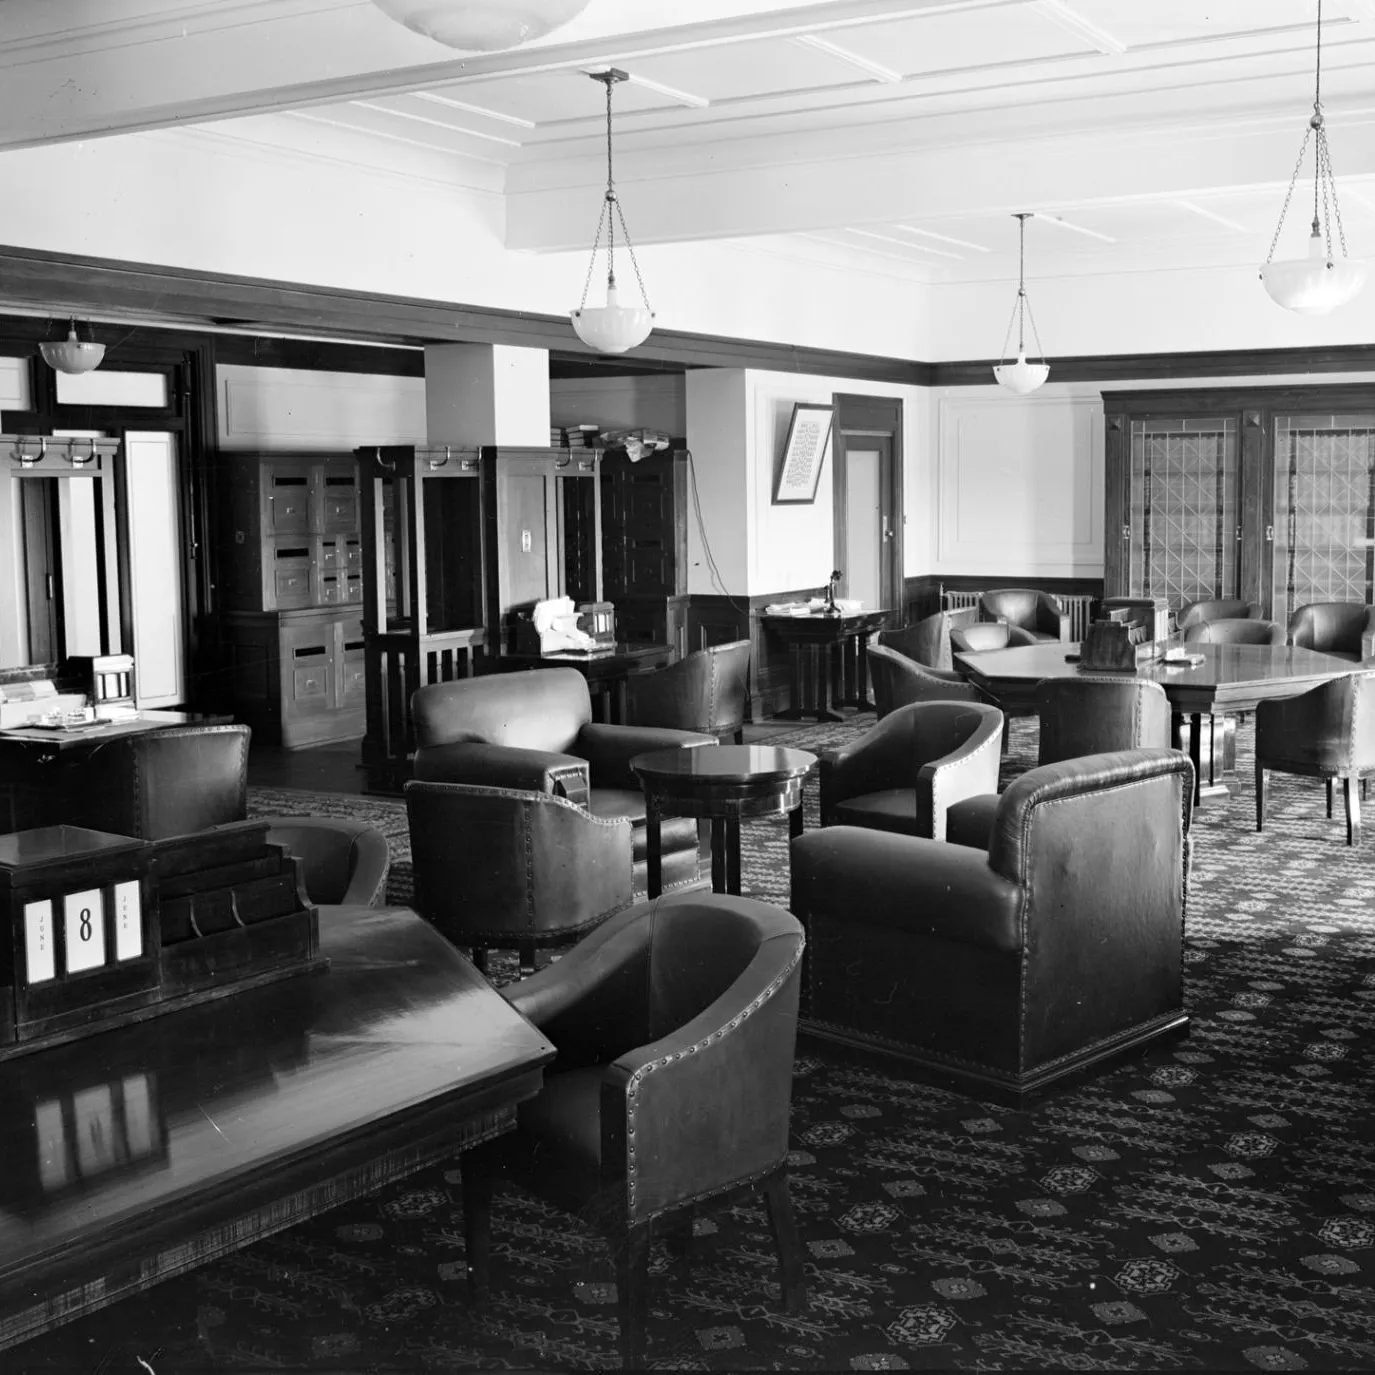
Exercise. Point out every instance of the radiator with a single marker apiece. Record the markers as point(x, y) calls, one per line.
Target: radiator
point(1078, 607)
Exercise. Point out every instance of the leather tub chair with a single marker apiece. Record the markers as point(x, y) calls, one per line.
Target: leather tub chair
point(343, 863)
point(533, 730)
point(675, 1024)
point(1343, 629)
point(1235, 630)
point(897, 680)
point(1038, 613)
point(704, 691)
point(980, 636)
point(1216, 609)
point(928, 640)
point(505, 868)
point(1327, 732)
point(904, 773)
point(1003, 971)
point(1086, 714)
point(164, 783)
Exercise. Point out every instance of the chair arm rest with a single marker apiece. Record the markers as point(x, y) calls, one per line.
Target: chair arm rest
point(968, 771)
point(609, 749)
point(504, 766)
point(706, 1106)
point(371, 860)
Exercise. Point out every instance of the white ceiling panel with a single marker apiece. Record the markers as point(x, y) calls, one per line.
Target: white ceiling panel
point(963, 41)
point(1155, 22)
point(740, 70)
point(555, 97)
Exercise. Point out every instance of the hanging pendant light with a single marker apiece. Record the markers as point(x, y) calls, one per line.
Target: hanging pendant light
point(612, 328)
point(1319, 282)
point(481, 25)
point(1021, 377)
point(72, 354)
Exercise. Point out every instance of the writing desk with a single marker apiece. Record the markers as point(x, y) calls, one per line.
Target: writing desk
point(605, 670)
point(142, 1152)
point(846, 676)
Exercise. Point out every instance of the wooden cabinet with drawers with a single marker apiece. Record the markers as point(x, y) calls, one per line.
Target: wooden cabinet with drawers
point(291, 594)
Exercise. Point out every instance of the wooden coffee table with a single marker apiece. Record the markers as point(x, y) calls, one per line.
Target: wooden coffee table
point(1231, 678)
point(723, 783)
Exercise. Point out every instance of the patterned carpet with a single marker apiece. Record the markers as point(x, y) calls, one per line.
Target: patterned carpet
point(1207, 1206)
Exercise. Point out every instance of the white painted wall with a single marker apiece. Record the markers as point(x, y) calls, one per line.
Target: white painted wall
point(14, 619)
point(718, 440)
point(287, 409)
point(478, 394)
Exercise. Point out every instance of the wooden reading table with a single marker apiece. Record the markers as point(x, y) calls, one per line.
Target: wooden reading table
point(605, 670)
point(1231, 678)
point(141, 1152)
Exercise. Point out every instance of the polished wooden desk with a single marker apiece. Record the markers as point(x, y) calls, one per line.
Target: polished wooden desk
point(1231, 678)
point(723, 783)
point(845, 674)
point(605, 670)
point(37, 764)
point(145, 1151)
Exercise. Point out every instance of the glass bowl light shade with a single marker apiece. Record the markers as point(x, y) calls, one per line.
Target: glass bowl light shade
point(1021, 377)
point(481, 25)
point(612, 328)
point(72, 354)
point(1315, 284)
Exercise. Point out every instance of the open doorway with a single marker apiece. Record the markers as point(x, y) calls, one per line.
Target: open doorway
point(867, 478)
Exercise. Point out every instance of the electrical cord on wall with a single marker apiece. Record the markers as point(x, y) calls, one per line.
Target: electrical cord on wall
point(716, 579)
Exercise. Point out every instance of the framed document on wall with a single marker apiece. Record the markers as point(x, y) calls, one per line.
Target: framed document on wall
point(809, 435)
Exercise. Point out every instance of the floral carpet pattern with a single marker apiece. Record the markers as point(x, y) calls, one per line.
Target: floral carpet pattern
point(1209, 1205)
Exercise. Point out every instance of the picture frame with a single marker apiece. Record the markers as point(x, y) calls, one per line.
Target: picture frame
point(804, 454)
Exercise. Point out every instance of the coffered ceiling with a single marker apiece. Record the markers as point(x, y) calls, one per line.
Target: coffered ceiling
point(898, 133)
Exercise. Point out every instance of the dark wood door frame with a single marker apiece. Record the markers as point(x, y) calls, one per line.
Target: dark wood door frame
point(859, 417)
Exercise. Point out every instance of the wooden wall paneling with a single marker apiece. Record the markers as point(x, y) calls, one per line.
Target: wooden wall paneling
point(1257, 501)
point(1116, 503)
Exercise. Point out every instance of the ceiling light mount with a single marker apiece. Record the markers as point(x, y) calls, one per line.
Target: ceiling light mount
point(1321, 281)
point(481, 25)
point(1021, 377)
point(612, 328)
point(72, 355)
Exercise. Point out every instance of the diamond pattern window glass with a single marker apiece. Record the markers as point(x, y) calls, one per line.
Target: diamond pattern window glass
point(1183, 518)
point(1324, 514)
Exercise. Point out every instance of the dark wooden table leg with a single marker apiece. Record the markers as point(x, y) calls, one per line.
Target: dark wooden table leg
point(654, 858)
point(795, 709)
point(824, 668)
point(862, 698)
point(718, 854)
point(795, 822)
point(733, 855)
point(1196, 753)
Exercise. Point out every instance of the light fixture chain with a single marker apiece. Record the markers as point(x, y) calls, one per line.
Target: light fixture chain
point(1012, 320)
point(1035, 333)
point(1288, 195)
point(1336, 204)
point(630, 248)
point(592, 261)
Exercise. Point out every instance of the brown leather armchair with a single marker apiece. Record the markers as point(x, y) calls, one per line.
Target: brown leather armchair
point(501, 867)
point(1086, 714)
point(1327, 732)
point(1344, 629)
point(1005, 970)
point(1039, 613)
point(1216, 609)
point(675, 1025)
point(1233, 630)
point(897, 680)
point(164, 783)
point(343, 862)
point(904, 773)
point(534, 730)
point(704, 691)
point(979, 636)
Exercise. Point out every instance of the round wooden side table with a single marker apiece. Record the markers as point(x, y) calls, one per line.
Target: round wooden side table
point(722, 783)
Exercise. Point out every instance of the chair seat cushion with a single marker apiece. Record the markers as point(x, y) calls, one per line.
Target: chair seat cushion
point(609, 803)
point(894, 809)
